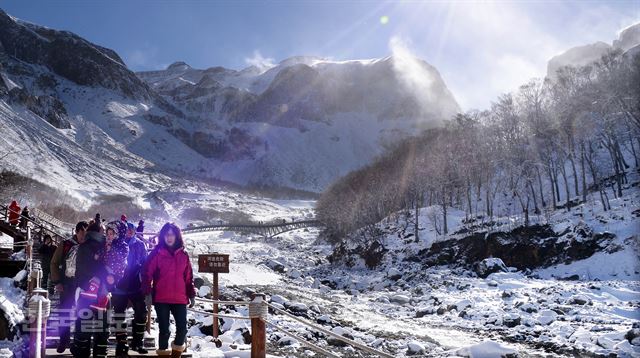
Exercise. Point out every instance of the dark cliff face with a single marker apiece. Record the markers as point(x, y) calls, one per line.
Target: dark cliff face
point(69, 56)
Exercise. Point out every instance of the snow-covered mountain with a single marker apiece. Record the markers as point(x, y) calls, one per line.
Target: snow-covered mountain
point(628, 38)
point(303, 122)
point(73, 113)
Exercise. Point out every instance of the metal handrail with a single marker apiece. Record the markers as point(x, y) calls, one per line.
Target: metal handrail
point(38, 225)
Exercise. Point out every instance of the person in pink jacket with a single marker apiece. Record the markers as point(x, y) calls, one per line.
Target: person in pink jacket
point(167, 281)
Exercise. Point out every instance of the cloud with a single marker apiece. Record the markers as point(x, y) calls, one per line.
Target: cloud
point(259, 61)
point(411, 71)
point(144, 58)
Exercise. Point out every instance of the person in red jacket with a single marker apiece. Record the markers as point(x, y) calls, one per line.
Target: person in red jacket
point(14, 213)
point(167, 281)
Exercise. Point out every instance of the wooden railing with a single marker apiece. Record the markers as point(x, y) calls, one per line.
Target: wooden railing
point(266, 230)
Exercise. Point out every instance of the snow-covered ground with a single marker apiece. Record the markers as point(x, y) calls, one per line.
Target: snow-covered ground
point(404, 308)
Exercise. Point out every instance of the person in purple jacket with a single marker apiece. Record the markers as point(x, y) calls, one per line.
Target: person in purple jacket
point(167, 281)
point(114, 258)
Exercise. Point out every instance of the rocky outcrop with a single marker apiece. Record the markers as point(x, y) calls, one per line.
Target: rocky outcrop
point(69, 56)
point(45, 106)
point(523, 248)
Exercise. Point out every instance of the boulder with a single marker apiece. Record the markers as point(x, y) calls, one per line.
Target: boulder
point(324, 319)
point(547, 317)
point(511, 320)
point(276, 266)
point(488, 266)
point(400, 299)
point(278, 299)
point(296, 307)
point(394, 274)
point(294, 274)
point(415, 347)
point(204, 291)
point(421, 312)
point(579, 300)
point(198, 281)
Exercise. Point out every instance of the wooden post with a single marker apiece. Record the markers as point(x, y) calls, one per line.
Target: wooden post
point(215, 305)
point(258, 326)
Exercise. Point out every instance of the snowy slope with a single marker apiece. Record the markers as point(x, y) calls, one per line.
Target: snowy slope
point(590, 53)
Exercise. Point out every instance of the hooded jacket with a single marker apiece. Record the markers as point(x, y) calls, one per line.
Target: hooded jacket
point(86, 264)
point(130, 282)
point(115, 259)
point(14, 213)
point(168, 276)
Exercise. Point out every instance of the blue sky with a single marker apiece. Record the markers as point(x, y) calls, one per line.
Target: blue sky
point(481, 49)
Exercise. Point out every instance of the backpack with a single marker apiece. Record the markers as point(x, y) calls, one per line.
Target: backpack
point(70, 262)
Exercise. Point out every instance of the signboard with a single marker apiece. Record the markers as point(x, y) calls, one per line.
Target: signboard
point(216, 263)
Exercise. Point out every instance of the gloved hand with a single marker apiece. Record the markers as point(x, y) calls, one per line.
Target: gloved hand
point(147, 300)
point(192, 302)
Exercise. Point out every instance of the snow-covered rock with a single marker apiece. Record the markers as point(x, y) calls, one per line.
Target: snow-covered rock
point(276, 265)
point(294, 274)
point(489, 265)
point(399, 298)
point(394, 274)
point(278, 299)
point(203, 291)
point(415, 347)
point(546, 317)
point(486, 349)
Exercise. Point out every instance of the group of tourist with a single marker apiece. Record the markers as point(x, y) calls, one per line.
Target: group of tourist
point(111, 261)
point(18, 217)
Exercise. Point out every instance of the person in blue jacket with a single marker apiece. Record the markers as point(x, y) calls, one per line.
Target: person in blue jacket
point(128, 289)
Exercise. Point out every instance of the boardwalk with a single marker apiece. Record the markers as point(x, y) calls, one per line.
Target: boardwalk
point(266, 230)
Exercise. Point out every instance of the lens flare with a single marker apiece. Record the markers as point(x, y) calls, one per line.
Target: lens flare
point(384, 19)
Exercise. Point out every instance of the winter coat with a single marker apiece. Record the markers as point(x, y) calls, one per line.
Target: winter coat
point(58, 260)
point(46, 253)
point(168, 276)
point(86, 264)
point(14, 213)
point(115, 259)
point(130, 281)
point(24, 218)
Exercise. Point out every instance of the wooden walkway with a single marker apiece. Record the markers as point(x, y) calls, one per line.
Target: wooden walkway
point(266, 230)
